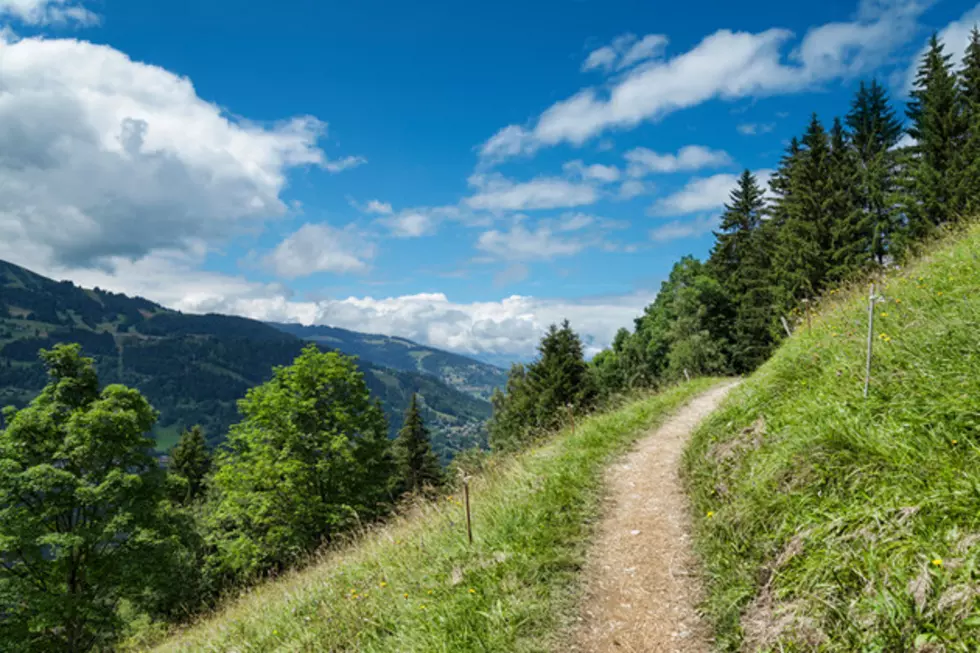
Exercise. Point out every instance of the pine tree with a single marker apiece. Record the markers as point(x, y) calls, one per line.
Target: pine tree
point(418, 466)
point(874, 130)
point(969, 160)
point(851, 228)
point(191, 460)
point(931, 193)
point(560, 377)
point(737, 262)
point(803, 248)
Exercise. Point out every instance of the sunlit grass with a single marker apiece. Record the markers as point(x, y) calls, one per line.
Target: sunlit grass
point(416, 585)
point(847, 524)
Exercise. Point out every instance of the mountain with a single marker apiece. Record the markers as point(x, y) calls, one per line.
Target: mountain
point(465, 374)
point(192, 368)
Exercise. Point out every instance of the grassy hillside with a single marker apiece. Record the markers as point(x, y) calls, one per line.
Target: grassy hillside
point(192, 368)
point(417, 586)
point(464, 374)
point(832, 522)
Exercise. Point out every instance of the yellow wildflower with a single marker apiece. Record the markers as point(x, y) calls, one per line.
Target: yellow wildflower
point(711, 513)
point(405, 595)
point(472, 591)
point(383, 584)
point(938, 562)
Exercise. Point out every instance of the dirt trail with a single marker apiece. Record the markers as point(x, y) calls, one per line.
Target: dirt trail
point(641, 591)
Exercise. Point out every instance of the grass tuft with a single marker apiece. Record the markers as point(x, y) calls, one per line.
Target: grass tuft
point(845, 524)
point(415, 585)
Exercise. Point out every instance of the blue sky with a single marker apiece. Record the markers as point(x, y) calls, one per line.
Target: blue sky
point(457, 173)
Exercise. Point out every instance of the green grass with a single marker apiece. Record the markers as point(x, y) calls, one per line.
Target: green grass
point(415, 585)
point(834, 523)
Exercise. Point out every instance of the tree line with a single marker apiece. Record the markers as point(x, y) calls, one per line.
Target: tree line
point(842, 203)
point(95, 535)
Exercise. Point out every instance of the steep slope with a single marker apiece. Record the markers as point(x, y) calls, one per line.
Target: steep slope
point(417, 586)
point(193, 368)
point(841, 523)
point(464, 374)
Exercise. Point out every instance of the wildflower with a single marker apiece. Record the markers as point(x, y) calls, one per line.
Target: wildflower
point(939, 294)
point(472, 591)
point(711, 513)
point(405, 595)
point(353, 591)
point(430, 592)
point(898, 301)
point(884, 314)
point(938, 562)
point(422, 607)
point(383, 584)
point(954, 441)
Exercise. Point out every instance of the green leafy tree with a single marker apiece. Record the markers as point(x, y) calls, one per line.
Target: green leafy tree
point(874, 131)
point(190, 460)
point(82, 521)
point(309, 459)
point(931, 194)
point(418, 465)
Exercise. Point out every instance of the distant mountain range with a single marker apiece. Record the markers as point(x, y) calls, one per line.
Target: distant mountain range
point(193, 368)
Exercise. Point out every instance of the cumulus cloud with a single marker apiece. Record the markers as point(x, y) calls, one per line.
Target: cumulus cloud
point(634, 188)
point(643, 161)
point(702, 194)
point(522, 244)
point(678, 229)
point(103, 157)
point(48, 12)
point(724, 65)
point(597, 172)
point(319, 248)
point(339, 165)
point(509, 329)
point(496, 193)
point(625, 51)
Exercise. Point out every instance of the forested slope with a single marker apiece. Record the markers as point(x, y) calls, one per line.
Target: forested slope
point(832, 521)
point(192, 368)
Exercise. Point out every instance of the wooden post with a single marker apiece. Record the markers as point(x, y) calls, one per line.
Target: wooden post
point(466, 499)
point(871, 334)
point(785, 325)
point(686, 375)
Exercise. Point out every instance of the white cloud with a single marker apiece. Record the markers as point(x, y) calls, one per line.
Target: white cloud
point(48, 12)
point(678, 229)
point(425, 220)
point(955, 37)
point(724, 65)
point(378, 207)
point(509, 328)
point(625, 51)
point(691, 157)
point(508, 142)
point(496, 193)
point(521, 244)
point(575, 221)
point(339, 165)
point(595, 172)
point(319, 248)
point(634, 188)
point(753, 129)
point(102, 158)
point(703, 194)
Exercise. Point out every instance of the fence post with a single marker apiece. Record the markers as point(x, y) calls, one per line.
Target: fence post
point(871, 333)
point(466, 499)
point(785, 326)
point(686, 375)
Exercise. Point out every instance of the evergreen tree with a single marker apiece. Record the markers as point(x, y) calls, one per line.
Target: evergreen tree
point(874, 131)
point(513, 412)
point(851, 228)
point(83, 523)
point(804, 244)
point(418, 465)
point(969, 161)
point(931, 194)
point(310, 458)
point(560, 377)
point(191, 461)
point(738, 262)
